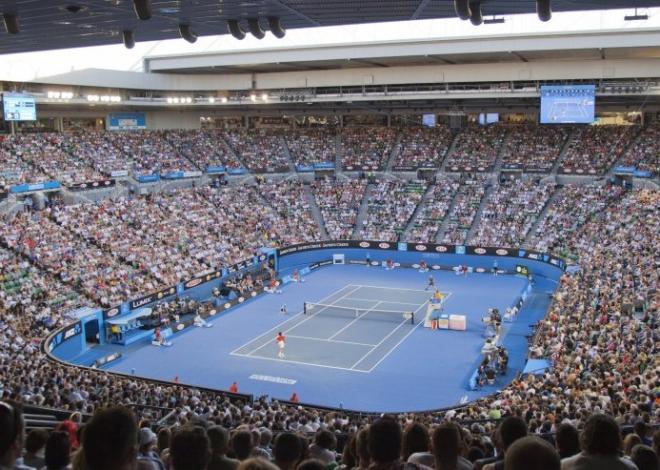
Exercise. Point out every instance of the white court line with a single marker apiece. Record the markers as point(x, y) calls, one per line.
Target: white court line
point(289, 361)
point(390, 334)
point(391, 288)
point(383, 301)
point(330, 340)
point(309, 317)
point(356, 319)
point(279, 325)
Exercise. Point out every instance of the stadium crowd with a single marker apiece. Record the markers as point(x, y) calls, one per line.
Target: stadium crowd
point(593, 149)
point(476, 148)
point(510, 212)
point(390, 207)
point(262, 150)
point(600, 332)
point(309, 146)
point(644, 153)
point(339, 202)
point(534, 148)
point(206, 148)
point(434, 210)
point(422, 147)
point(366, 148)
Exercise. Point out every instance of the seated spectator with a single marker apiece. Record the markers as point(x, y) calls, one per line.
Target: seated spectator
point(257, 463)
point(509, 431)
point(644, 457)
point(190, 449)
point(531, 452)
point(287, 451)
point(57, 456)
point(567, 440)
point(110, 440)
point(147, 458)
point(219, 439)
point(12, 435)
point(35, 446)
point(323, 448)
point(242, 444)
point(415, 439)
point(312, 464)
point(447, 446)
point(601, 447)
point(384, 444)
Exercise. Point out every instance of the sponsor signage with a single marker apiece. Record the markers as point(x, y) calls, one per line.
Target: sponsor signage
point(147, 299)
point(119, 173)
point(196, 281)
point(45, 186)
point(92, 185)
point(111, 313)
point(214, 170)
point(148, 178)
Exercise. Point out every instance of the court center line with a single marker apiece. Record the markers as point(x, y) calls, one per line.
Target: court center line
point(330, 340)
point(309, 317)
point(356, 319)
point(392, 288)
point(390, 334)
point(289, 361)
point(393, 348)
point(383, 301)
point(294, 317)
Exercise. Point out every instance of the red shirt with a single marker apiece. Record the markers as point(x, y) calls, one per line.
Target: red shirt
point(233, 388)
point(280, 338)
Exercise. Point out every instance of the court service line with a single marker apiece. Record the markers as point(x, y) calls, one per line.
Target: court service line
point(330, 340)
point(392, 288)
point(356, 319)
point(390, 334)
point(309, 317)
point(289, 361)
point(294, 317)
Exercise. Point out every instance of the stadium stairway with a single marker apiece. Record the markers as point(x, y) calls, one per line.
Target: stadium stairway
point(497, 165)
point(234, 153)
point(316, 212)
point(549, 203)
point(443, 226)
point(562, 152)
point(287, 154)
point(362, 212)
point(477, 216)
point(338, 168)
point(448, 153)
point(413, 218)
point(633, 141)
point(394, 153)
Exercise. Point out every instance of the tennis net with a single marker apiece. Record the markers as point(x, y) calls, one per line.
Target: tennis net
point(397, 316)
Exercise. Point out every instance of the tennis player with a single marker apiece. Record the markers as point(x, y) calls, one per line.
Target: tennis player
point(281, 343)
point(283, 310)
point(431, 282)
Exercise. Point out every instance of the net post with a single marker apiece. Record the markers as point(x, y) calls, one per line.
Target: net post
point(304, 308)
point(412, 318)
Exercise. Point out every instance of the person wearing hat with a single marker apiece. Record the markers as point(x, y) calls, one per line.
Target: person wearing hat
point(147, 458)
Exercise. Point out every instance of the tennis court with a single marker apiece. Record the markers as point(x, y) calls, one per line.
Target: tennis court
point(355, 328)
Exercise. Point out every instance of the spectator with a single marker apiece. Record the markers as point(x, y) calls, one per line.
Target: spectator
point(312, 464)
point(509, 431)
point(567, 440)
point(415, 439)
point(147, 458)
point(110, 440)
point(323, 448)
point(12, 434)
point(531, 452)
point(601, 446)
point(630, 441)
point(35, 446)
point(190, 449)
point(242, 443)
point(219, 438)
point(362, 446)
point(644, 457)
point(384, 444)
point(256, 463)
point(447, 446)
point(58, 449)
point(288, 451)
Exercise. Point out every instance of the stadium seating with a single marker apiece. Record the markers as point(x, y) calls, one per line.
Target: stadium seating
point(476, 148)
point(365, 148)
point(422, 147)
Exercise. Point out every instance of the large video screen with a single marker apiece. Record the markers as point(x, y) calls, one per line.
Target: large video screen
point(18, 107)
point(568, 104)
point(429, 120)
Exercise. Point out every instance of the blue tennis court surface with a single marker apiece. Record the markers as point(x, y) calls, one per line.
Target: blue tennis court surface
point(359, 349)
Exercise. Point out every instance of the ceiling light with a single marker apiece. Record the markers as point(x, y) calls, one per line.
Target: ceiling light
point(170, 100)
point(188, 100)
point(255, 28)
point(235, 29)
point(129, 39)
point(253, 97)
point(224, 99)
point(544, 10)
point(211, 99)
point(187, 33)
point(142, 9)
point(11, 23)
point(264, 96)
point(276, 27)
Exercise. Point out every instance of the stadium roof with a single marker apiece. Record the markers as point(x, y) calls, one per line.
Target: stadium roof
point(56, 24)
